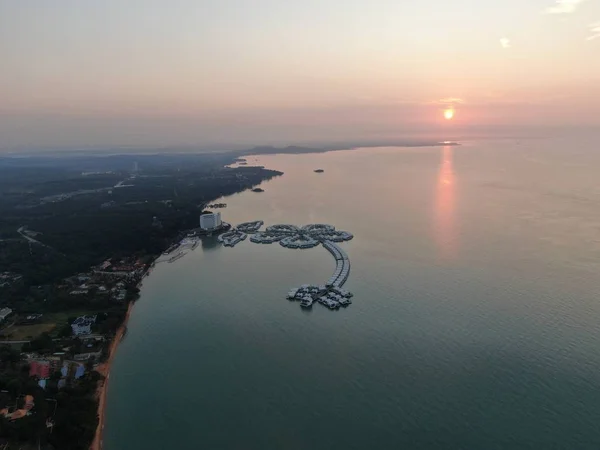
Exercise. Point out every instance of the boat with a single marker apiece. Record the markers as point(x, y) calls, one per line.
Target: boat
point(171, 249)
point(176, 257)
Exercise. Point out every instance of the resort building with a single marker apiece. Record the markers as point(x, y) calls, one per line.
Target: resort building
point(210, 221)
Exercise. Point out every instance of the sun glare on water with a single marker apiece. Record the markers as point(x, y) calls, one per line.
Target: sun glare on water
point(449, 114)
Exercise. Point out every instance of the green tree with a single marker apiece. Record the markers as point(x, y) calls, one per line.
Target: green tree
point(9, 355)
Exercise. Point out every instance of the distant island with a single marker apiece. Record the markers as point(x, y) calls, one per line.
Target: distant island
point(295, 150)
point(258, 190)
point(218, 150)
point(319, 171)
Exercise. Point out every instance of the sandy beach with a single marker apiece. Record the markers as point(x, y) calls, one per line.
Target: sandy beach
point(104, 369)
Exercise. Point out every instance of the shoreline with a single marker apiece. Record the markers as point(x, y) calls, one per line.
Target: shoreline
point(104, 369)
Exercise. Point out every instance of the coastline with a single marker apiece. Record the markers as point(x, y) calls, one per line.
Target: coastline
point(104, 369)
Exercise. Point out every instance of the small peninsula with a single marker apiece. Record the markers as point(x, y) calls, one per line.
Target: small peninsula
point(342, 145)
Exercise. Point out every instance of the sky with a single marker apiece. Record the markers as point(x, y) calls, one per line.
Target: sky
point(88, 73)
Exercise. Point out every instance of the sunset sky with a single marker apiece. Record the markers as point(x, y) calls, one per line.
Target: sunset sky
point(85, 73)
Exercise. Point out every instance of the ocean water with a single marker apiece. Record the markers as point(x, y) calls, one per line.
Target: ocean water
point(474, 323)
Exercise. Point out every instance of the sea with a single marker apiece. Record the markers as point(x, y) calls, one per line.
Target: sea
point(474, 322)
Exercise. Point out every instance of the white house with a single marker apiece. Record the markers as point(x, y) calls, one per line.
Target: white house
point(83, 325)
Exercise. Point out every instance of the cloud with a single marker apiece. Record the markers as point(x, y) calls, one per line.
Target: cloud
point(564, 7)
point(449, 101)
point(594, 31)
point(505, 42)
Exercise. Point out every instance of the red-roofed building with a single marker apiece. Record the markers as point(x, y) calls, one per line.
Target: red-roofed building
point(40, 369)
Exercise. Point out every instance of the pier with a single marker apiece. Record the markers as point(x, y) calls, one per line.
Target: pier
point(329, 294)
point(342, 264)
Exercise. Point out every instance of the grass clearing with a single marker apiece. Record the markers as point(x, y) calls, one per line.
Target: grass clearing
point(62, 318)
point(27, 332)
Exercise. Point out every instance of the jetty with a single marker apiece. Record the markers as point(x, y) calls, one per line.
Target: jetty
point(330, 294)
point(342, 264)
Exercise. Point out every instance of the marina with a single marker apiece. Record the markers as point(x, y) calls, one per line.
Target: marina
point(330, 294)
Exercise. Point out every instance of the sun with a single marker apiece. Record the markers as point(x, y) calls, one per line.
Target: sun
point(449, 114)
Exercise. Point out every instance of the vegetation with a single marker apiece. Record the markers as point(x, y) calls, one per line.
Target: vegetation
point(72, 409)
point(83, 230)
point(60, 216)
point(23, 332)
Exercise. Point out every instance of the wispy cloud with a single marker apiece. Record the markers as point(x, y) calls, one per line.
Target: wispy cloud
point(449, 101)
point(505, 42)
point(594, 31)
point(564, 7)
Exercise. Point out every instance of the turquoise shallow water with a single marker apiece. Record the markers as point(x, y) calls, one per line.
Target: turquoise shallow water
point(474, 322)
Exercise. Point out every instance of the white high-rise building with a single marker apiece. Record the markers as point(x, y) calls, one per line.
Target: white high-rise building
point(210, 221)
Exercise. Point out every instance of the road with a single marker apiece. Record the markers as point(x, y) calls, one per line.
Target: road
point(29, 238)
